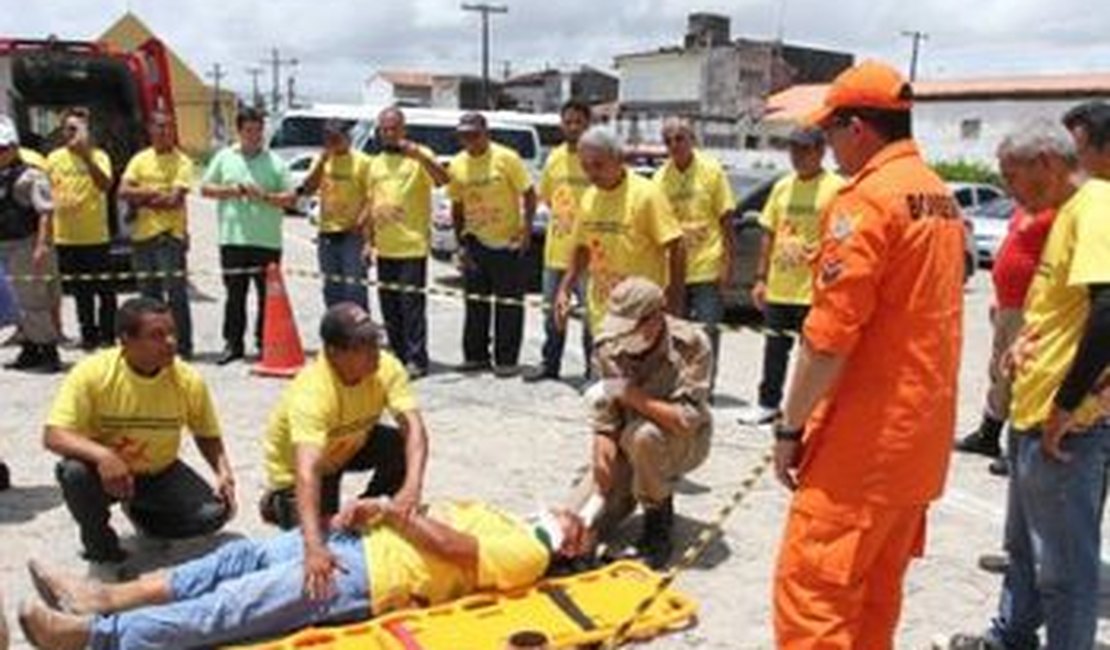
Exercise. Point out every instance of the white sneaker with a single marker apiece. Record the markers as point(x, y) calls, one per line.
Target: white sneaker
point(756, 415)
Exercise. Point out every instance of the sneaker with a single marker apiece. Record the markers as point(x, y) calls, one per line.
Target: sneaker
point(977, 442)
point(506, 371)
point(757, 415)
point(416, 371)
point(473, 366)
point(539, 373)
point(968, 642)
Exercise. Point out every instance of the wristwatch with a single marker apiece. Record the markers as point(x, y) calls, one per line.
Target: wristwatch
point(783, 433)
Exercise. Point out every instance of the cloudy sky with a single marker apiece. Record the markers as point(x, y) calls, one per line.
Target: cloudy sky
point(340, 42)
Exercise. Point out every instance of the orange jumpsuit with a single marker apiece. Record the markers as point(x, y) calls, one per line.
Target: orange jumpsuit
point(889, 299)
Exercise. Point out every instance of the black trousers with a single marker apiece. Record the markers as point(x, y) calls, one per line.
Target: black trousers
point(176, 503)
point(233, 258)
point(405, 312)
point(498, 273)
point(384, 452)
point(776, 349)
point(98, 325)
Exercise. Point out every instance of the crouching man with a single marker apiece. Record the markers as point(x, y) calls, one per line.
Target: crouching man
point(650, 412)
point(116, 423)
point(252, 589)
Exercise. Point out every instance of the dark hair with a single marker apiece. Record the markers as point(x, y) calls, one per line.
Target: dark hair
point(249, 114)
point(129, 318)
point(347, 326)
point(578, 105)
point(1094, 117)
point(890, 125)
point(80, 112)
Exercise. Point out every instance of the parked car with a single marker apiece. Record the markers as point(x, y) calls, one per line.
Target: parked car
point(299, 167)
point(992, 222)
point(972, 196)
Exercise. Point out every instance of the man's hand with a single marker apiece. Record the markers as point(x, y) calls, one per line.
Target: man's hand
point(759, 295)
point(1102, 392)
point(115, 476)
point(605, 455)
point(39, 257)
point(319, 568)
point(225, 489)
point(725, 281)
point(368, 254)
point(562, 310)
point(356, 516)
point(408, 148)
point(1056, 427)
point(788, 453)
point(405, 502)
point(463, 259)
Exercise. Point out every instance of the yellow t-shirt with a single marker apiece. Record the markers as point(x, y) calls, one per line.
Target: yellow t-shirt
point(138, 417)
point(343, 189)
point(319, 409)
point(793, 216)
point(402, 575)
point(162, 172)
point(699, 196)
point(80, 207)
point(490, 187)
point(400, 190)
point(626, 231)
point(1056, 308)
point(32, 158)
point(561, 187)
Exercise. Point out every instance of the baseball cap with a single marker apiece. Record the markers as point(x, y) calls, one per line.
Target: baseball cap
point(9, 136)
point(630, 303)
point(471, 123)
point(869, 84)
point(806, 136)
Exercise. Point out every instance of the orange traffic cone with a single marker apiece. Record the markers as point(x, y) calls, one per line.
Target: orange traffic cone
point(282, 354)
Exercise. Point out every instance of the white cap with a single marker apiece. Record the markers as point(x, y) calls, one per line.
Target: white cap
point(9, 137)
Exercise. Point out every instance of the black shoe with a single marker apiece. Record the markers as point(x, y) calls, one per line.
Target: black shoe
point(28, 358)
point(5, 478)
point(416, 371)
point(230, 354)
point(999, 467)
point(970, 642)
point(655, 544)
point(89, 342)
point(992, 563)
point(473, 366)
point(105, 556)
point(983, 440)
point(506, 371)
point(539, 373)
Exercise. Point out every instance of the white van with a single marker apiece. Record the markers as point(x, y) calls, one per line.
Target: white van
point(549, 126)
point(301, 130)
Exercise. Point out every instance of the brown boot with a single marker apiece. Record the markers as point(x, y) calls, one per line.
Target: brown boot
point(63, 593)
point(49, 630)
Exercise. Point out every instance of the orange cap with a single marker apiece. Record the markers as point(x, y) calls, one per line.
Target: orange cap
point(866, 85)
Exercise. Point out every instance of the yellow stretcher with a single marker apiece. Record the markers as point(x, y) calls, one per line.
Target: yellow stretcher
point(571, 611)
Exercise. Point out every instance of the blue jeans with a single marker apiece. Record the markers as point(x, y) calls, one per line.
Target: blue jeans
point(340, 254)
point(1053, 537)
point(704, 305)
point(244, 590)
point(554, 340)
point(165, 255)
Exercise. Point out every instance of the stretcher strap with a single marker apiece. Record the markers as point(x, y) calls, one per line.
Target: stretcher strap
point(559, 596)
point(402, 634)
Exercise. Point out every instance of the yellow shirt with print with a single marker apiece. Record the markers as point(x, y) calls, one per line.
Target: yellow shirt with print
point(699, 196)
point(561, 187)
point(403, 575)
point(80, 207)
point(343, 188)
point(319, 409)
point(163, 172)
point(793, 216)
point(626, 231)
point(400, 190)
point(1075, 255)
point(490, 188)
point(140, 418)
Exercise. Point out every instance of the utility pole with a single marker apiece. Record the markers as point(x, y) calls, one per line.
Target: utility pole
point(917, 36)
point(291, 84)
point(216, 74)
point(485, 9)
point(256, 95)
point(275, 62)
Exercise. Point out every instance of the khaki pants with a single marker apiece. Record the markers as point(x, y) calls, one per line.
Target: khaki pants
point(36, 296)
point(1007, 325)
point(649, 462)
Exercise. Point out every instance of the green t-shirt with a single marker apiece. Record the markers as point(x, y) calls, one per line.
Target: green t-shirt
point(245, 222)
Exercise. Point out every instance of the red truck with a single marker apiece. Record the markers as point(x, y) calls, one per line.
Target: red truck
point(40, 79)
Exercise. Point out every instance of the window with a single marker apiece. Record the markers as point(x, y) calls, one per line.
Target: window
point(970, 129)
point(964, 197)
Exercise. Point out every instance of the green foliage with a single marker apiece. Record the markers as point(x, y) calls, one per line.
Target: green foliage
point(962, 171)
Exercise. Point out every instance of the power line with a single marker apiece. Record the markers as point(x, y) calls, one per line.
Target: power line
point(917, 37)
point(485, 9)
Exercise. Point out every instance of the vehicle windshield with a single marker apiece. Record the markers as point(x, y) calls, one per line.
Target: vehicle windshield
point(444, 142)
point(1000, 209)
point(301, 131)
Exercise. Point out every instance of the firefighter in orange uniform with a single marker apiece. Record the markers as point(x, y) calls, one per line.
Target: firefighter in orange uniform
point(867, 430)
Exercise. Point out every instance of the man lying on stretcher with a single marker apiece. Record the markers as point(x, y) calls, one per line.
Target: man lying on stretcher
point(256, 589)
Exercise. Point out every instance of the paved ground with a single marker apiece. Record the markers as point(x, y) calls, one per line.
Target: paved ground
point(520, 444)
